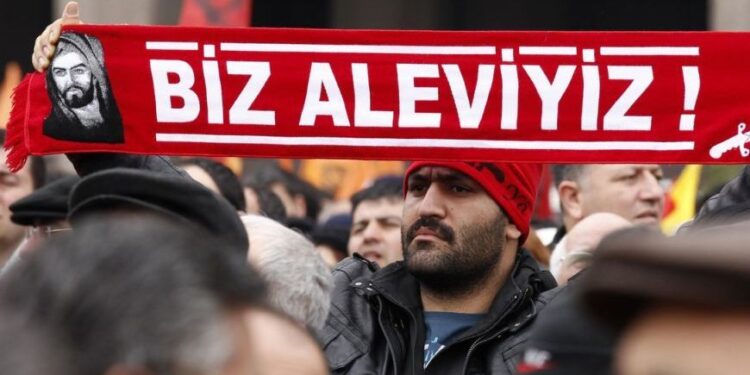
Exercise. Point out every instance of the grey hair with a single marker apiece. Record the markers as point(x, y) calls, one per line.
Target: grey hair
point(299, 282)
point(568, 172)
point(30, 349)
point(143, 293)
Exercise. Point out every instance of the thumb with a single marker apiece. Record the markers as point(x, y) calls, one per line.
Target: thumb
point(70, 14)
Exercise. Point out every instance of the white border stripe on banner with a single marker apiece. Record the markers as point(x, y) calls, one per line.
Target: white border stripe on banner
point(359, 48)
point(424, 143)
point(548, 51)
point(172, 46)
point(650, 51)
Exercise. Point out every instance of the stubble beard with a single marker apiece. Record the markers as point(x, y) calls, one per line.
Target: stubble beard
point(458, 264)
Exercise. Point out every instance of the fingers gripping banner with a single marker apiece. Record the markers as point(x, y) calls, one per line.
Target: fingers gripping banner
point(586, 97)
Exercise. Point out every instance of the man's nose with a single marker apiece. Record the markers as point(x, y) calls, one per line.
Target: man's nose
point(651, 189)
point(77, 78)
point(432, 204)
point(372, 232)
point(67, 81)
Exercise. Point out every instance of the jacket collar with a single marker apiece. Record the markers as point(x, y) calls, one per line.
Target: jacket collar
point(397, 284)
point(525, 283)
point(526, 280)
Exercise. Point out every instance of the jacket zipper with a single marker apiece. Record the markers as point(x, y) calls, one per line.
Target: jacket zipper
point(389, 344)
point(487, 338)
point(412, 338)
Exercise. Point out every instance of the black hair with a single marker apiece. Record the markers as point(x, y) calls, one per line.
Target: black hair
point(228, 183)
point(269, 203)
point(385, 187)
point(313, 197)
point(293, 184)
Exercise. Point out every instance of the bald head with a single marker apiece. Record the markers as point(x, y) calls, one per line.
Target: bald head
point(573, 252)
point(280, 346)
point(587, 234)
point(632, 191)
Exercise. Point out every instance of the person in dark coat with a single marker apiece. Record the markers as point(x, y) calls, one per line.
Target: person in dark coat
point(465, 295)
point(571, 339)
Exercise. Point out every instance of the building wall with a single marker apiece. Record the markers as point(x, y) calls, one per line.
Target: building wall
point(451, 14)
point(149, 12)
point(729, 15)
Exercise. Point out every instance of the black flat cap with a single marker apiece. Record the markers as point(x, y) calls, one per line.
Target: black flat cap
point(45, 205)
point(176, 197)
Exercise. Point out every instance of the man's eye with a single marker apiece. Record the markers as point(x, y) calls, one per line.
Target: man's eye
point(79, 71)
point(416, 187)
point(459, 189)
point(58, 72)
point(9, 180)
point(393, 223)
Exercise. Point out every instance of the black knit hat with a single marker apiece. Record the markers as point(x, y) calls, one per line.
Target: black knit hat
point(45, 205)
point(334, 232)
point(176, 197)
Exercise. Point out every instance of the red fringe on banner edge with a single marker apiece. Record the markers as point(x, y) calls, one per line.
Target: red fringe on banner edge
point(15, 136)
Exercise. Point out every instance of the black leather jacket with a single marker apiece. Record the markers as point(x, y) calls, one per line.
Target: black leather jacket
point(376, 324)
point(734, 196)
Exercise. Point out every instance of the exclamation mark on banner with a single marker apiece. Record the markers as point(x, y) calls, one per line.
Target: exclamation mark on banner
point(692, 80)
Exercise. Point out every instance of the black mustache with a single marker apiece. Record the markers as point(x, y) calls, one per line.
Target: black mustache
point(74, 87)
point(443, 231)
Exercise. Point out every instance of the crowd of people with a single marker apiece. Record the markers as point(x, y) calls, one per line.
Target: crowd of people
point(139, 265)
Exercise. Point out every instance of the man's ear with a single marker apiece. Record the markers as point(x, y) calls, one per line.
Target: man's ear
point(300, 204)
point(512, 232)
point(570, 199)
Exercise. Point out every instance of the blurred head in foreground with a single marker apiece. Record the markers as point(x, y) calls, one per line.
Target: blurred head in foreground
point(143, 296)
point(683, 302)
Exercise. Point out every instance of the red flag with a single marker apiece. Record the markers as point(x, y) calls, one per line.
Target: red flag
point(233, 13)
point(542, 209)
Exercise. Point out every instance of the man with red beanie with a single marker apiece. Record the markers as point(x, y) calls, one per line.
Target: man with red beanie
point(463, 298)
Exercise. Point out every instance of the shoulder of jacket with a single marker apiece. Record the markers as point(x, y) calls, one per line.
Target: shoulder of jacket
point(348, 331)
point(353, 268)
point(548, 296)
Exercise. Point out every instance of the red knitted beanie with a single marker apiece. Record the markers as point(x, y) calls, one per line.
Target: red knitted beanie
point(512, 186)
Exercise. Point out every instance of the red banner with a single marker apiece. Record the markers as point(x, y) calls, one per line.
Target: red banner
point(585, 97)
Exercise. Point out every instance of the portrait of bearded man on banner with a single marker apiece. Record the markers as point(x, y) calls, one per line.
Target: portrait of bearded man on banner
point(83, 104)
